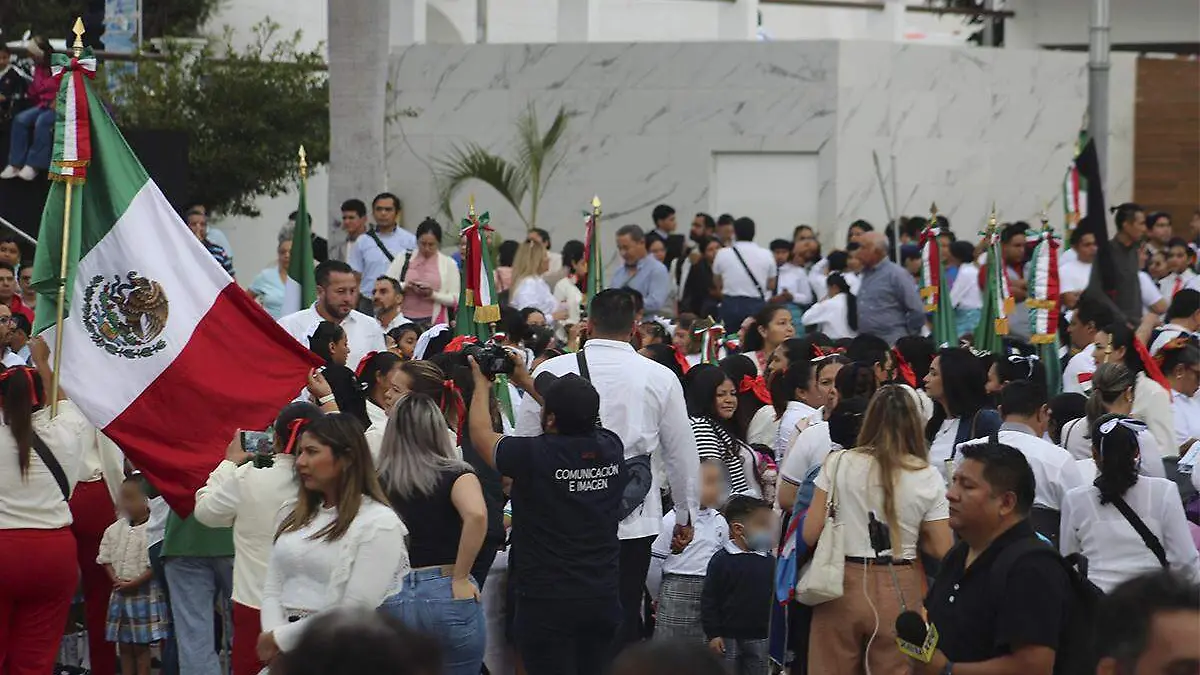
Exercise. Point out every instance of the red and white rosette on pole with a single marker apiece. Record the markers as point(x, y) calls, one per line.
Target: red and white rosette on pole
point(72, 133)
point(1044, 288)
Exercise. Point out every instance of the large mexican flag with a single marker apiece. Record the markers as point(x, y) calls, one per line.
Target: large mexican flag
point(161, 349)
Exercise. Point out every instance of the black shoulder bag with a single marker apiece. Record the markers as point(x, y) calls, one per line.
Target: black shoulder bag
point(638, 477)
point(379, 242)
point(757, 286)
point(404, 267)
point(51, 462)
point(1144, 532)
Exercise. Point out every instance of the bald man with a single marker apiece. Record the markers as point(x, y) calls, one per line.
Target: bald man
point(889, 305)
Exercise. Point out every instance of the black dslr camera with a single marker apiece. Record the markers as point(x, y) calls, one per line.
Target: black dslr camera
point(492, 358)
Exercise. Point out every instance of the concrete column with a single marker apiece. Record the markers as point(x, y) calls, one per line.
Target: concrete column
point(408, 22)
point(737, 20)
point(578, 20)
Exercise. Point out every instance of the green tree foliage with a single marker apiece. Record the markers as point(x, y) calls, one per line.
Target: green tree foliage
point(53, 18)
point(245, 113)
point(538, 156)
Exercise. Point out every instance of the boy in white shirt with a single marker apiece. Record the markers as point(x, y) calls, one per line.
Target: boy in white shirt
point(965, 295)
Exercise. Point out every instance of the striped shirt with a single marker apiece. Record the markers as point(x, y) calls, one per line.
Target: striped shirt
point(715, 442)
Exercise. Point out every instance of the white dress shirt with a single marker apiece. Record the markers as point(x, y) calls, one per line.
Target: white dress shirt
point(1152, 405)
point(1150, 293)
point(831, 317)
point(1054, 469)
point(304, 575)
point(794, 279)
point(734, 280)
point(12, 359)
point(964, 292)
point(710, 534)
point(1073, 275)
point(363, 333)
point(1114, 550)
point(792, 415)
point(1083, 363)
point(34, 501)
point(248, 499)
point(642, 403)
point(1167, 284)
point(374, 434)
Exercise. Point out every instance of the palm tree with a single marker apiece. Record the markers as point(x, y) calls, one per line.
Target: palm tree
point(538, 157)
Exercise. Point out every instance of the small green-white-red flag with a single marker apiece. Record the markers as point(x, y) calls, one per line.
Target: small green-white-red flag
point(300, 289)
point(146, 353)
point(594, 282)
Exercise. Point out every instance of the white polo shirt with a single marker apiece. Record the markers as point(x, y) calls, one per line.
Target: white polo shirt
point(363, 332)
point(735, 281)
point(710, 534)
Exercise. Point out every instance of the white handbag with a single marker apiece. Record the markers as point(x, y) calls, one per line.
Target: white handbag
point(822, 579)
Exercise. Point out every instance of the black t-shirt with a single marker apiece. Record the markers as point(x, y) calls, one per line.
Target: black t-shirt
point(434, 526)
point(980, 618)
point(565, 495)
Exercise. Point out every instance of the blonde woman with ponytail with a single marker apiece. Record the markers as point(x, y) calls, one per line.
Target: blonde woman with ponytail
point(887, 477)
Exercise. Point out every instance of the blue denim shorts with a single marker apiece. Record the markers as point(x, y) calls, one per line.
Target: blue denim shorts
point(427, 604)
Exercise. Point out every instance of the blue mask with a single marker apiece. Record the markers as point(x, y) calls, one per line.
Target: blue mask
point(761, 541)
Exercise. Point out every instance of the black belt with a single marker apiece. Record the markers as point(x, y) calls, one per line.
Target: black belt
point(876, 561)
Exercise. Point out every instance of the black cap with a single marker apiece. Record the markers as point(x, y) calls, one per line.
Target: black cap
point(572, 399)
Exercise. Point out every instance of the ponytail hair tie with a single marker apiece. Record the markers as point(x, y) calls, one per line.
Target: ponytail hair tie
point(904, 369)
point(34, 401)
point(450, 390)
point(362, 365)
point(295, 427)
point(680, 358)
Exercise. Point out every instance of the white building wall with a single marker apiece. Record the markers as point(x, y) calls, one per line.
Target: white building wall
point(1041, 23)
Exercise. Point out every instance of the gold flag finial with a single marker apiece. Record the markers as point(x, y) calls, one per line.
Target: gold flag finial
point(1044, 217)
point(933, 212)
point(992, 217)
point(77, 29)
point(596, 202)
point(471, 205)
point(303, 163)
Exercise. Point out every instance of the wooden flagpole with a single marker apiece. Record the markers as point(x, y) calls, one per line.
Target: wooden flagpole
point(60, 310)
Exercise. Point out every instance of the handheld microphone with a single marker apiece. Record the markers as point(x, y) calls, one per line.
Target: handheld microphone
point(914, 637)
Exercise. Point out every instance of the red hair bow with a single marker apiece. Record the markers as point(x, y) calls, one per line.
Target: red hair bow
point(456, 345)
point(826, 353)
point(450, 390)
point(904, 369)
point(28, 373)
point(294, 429)
point(758, 386)
point(362, 365)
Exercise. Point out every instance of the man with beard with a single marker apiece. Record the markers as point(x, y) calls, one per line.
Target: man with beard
point(337, 294)
point(387, 299)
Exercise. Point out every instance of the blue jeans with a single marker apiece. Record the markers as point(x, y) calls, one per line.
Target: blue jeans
point(735, 309)
point(170, 652)
point(427, 604)
point(194, 585)
point(38, 123)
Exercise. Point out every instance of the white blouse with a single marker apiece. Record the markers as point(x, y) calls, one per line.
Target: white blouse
point(831, 317)
point(1114, 550)
point(34, 501)
point(763, 428)
point(124, 547)
point(534, 292)
point(374, 434)
point(304, 576)
point(1187, 417)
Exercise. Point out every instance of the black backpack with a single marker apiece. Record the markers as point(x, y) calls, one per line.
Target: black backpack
point(1076, 653)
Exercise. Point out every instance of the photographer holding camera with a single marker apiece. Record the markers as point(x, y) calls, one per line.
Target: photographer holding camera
point(642, 402)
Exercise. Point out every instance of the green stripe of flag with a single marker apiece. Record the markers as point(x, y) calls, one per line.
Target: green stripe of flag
point(114, 177)
point(301, 269)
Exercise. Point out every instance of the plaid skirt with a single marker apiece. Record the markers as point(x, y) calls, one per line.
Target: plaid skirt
point(678, 616)
point(138, 617)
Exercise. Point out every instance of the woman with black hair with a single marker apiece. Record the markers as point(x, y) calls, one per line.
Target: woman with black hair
point(245, 492)
point(1113, 392)
point(1018, 362)
point(956, 383)
point(767, 329)
point(1126, 524)
point(38, 568)
point(665, 355)
point(763, 426)
point(837, 314)
point(699, 295)
point(1117, 343)
point(753, 395)
point(429, 278)
point(799, 395)
point(374, 377)
point(711, 402)
point(1179, 360)
point(329, 342)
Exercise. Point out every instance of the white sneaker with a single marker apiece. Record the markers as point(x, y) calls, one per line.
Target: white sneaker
point(10, 171)
point(27, 173)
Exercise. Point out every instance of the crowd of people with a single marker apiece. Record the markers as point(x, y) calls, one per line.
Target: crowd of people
point(735, 459)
